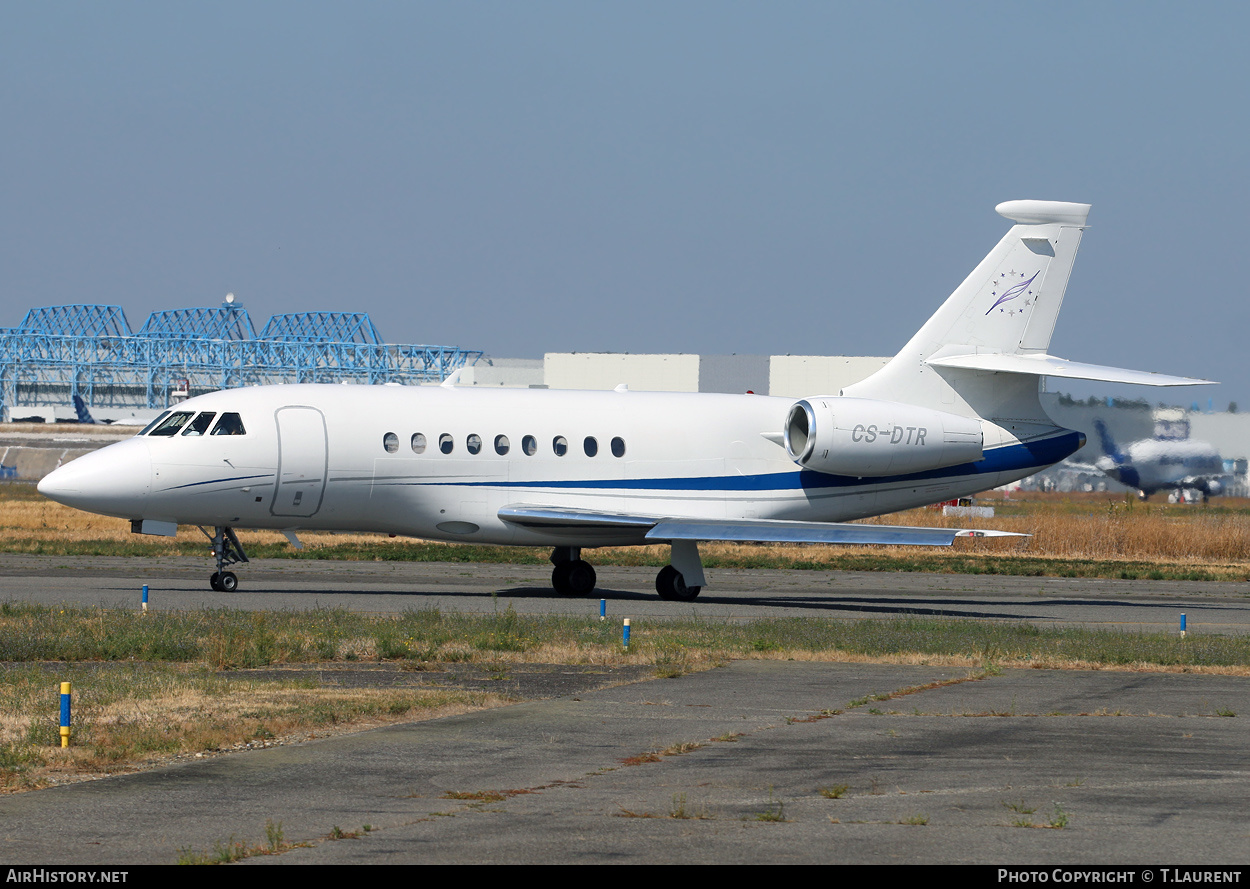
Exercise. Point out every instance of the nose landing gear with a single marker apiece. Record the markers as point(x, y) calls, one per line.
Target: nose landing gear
point(227, 551)
point(224, 581)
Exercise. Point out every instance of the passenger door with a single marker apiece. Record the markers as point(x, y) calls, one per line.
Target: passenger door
point(302, 461)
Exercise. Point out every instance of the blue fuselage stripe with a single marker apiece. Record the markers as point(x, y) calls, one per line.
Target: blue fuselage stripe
point(1012, 458)
point(218, 481)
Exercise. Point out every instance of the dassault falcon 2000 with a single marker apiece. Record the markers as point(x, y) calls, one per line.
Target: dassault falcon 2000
point(955, 412)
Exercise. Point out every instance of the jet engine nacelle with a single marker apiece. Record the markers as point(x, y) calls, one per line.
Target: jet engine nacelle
point(866, 438)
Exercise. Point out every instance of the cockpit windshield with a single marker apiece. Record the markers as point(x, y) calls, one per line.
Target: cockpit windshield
point(171, 424)
point(148, 428)
point(199, 425)
point(229, 424)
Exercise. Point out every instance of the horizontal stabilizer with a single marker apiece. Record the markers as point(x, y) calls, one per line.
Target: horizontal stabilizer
point(1041, 364)
point(741, 530)
point(1044, 212)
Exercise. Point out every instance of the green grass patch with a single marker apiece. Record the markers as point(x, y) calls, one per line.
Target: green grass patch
point(147, 687)
point(225, 639)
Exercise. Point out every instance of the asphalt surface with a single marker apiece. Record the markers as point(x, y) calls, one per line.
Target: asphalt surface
point(726, 766)
point(733, 765)
point(180, 583)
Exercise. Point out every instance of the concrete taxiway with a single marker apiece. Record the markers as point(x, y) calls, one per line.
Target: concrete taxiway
point(752, 762)
point(180, 583)
point(748, 763)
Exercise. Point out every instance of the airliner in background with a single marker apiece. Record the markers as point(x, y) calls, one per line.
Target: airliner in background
point(1159, 464)
point(955, 412)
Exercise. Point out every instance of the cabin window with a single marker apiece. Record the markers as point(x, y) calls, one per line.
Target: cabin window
point(618, 447)
point(173, 423)
point(200, 424)
point(418, 443)
point(560, 445)
point(590, 446)
point(501, 444)
point(529, 445)
point(148, 428)
point(229, 424)
point(473, 443)
point(446, 443)
point(390, 441)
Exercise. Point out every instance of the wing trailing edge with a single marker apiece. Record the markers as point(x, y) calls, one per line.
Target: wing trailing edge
point(774, 531)
point(658, 529)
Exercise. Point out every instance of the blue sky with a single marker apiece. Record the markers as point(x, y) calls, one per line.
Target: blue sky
point(805, 178)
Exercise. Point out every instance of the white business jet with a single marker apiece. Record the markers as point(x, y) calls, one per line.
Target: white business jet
point(955, 412)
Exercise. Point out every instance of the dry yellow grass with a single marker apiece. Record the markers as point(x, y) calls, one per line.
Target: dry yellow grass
point(194, 719)
point(43, 520)
point(1107, 529)
point(1102, 529)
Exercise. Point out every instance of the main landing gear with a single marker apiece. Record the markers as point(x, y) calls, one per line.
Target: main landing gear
point(671, 585)
point(683, 580)
point(679, 582)
point(572, 575)
point(227, 551)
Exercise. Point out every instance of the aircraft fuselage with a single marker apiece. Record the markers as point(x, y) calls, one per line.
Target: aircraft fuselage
point(440, 463)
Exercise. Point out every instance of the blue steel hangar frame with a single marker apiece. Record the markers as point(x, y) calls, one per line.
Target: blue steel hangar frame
point(58, 352)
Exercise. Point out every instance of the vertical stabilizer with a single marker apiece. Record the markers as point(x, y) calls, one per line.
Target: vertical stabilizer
point(1007, 306)
point(84, 413)
point(1106, 441)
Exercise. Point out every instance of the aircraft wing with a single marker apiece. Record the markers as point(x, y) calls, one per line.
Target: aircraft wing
point(664, 529)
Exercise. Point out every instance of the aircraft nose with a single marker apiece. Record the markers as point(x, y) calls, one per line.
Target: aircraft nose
point(111, 481)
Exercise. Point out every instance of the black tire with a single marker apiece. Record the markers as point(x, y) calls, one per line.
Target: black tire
point(215, 581)
point(671, 586)
point(582, 578)
point(228, 582)
point(575, 578)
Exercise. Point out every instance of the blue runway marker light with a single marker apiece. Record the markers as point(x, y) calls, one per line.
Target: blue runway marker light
point(603, 609)
point(145, 597)
point(64, 714)
point(1182, 623)
point(625, 633)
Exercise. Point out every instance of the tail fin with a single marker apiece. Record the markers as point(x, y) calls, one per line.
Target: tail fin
point(1009, 303)
point(84, 415)
point(1106, 441)
point(982, 352)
